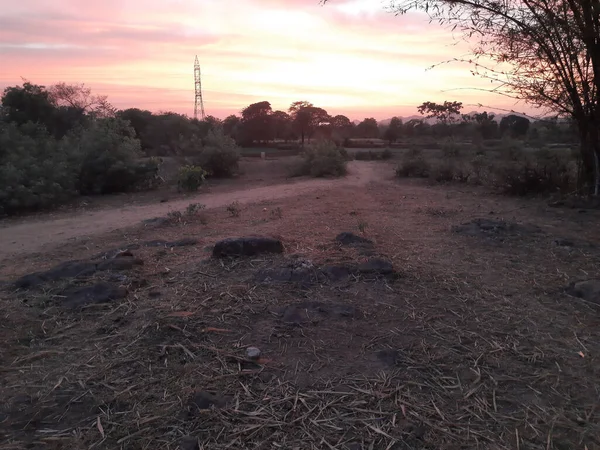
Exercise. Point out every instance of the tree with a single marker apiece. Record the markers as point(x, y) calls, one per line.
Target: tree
point(544, 52)
point(80, 97)
point(256, 122)
point(517, 126)
point(139, 119)
point(446, 113)
point(394, 130)
point(307, 118)
point(368, 128)
point(342, 128)
point(231, 126)
point(485, 124)
point(28, 103)
point(282, 125)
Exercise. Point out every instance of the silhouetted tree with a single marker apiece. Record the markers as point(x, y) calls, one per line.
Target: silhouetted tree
point(231, 126)
point(307, 118)
point(257, 123)
point(368, 128)
point(517, 126)
point(282, 125)
point(394, 130)
point(80, 97)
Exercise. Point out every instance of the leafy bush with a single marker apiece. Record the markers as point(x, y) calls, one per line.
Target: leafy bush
point(443, 172)
point(386, 154)
point(542, 173)
point(451, 149)
point(109, 158)
point(511, 149)
point(190, 178)
point(413, 165)
point(35, 171)
point(220, 155)
point(362, 156)
point(323, 159)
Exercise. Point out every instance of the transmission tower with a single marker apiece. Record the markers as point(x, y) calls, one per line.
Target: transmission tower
point(198, 101)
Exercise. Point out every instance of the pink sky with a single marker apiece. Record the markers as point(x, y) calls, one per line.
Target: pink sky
point(349, 57)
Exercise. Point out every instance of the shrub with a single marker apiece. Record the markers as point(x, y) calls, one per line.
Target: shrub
point(413, 167)
point(220, 156)
point(443, 172)
point(386, 154)
point(536, 175)
point(190, 178)
point(35, 171)
point(109, 158)
point(511, 149)
point(323, 159)
point(362, 156)
point(451, 149)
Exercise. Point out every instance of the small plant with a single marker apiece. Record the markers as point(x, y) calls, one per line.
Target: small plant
point(190, 178)
point(194, 208)
point(175, 216)
point(450, 149)
point(443, 172)
point(386, 154)
point(362, 227)
point(234, 209)
point(323, 159)
point(277, 213)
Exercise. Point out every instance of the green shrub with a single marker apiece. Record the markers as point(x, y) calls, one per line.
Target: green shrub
point(35, 171)
point(323, 159)
point(110, 155)
point(190, 178)
point(413, 167)
point(220, 156)
point(536, 175)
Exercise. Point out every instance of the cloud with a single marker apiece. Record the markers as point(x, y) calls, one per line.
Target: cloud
point(350, 55)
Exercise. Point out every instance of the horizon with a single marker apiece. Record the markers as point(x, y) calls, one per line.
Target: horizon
point(364, 62)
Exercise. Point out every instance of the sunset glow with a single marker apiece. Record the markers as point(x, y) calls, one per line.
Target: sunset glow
point(350, 57)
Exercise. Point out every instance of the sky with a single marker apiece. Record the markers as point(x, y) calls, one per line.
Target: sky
point(350, 57)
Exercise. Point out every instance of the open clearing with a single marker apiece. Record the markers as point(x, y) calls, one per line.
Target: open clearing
point(471, 341)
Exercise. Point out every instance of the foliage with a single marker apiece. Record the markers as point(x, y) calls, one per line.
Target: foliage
point(257, 122)
point(36, 171)
point(445, 113)
point(515, 126)
point(368, 128)
point(323, 159)
point(234, 209)
point(413, 166)
point(190, 178)
point(220, 156)
point(109, 156)
point(194, 208)
point(80, 97)
point(450, 149)
point(394, 130)
point(307, 118)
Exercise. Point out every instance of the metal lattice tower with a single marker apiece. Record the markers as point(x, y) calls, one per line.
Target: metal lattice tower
point(198, 91)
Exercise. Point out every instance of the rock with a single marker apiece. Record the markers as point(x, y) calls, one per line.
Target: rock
point(246, 246)
point(337, 272)
point(189, 443)
point(307, 312)
point(185, 242)
point(347, 238)
point(253, 353)
point(98, 293)
point(489, 227)
point(588, 290)
point(388, 356)
point(156, 221)
point(376, 266)
point(68, 269)
point(124, 263)
point(205, 400)
point(564, 243)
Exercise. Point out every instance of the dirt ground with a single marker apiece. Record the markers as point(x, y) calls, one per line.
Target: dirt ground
point(472, 341)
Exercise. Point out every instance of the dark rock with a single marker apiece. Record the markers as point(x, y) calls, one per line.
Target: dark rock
point(307, 312)
point(247, 246)
point(185, 242)
point(156, 221)
point(98, 293)
point(588, 290)
point(205, 400)
point(564, 243)
point(388, 356)
point(68, 269)
point(154, 294)
point(347, 238)
point(489, 227)
point(338, 272)
point(189, 443)
point(124, 263)
point(376, 266)
point(115, 252)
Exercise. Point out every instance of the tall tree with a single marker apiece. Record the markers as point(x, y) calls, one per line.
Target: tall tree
point(394, 130)
point(307, 118)
point(80, 96)
point(368, 128)
point(446, 113)
point(517, 126)
point(256, 122)
point(282, 125)
point(545, 52)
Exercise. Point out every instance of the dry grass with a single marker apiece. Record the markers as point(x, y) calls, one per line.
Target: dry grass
point(474, 345)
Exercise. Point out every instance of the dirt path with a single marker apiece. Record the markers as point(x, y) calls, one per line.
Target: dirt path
point(31, 237)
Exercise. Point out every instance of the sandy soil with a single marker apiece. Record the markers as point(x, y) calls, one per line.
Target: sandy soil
point(42, 233)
